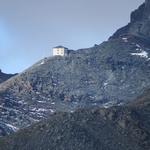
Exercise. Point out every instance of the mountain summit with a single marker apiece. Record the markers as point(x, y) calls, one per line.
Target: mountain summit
point(112, 73)
point(139, 25)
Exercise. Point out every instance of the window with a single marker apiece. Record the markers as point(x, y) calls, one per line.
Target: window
point(57, 51)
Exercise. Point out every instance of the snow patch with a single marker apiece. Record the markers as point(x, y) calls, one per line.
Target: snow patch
point(121, 104)
point(109, 104)
point(54, 84)
point(137, 45)
point(37, 93)
point(92, 97)
point(94, 104)
point(41, 101)
point(143, 54)
point(52, 111)
point(22, 102)
point(125, 39)
point(41, 110)
point(43, 62)
point(33, 109)
point(105, 84)
point(12, 127)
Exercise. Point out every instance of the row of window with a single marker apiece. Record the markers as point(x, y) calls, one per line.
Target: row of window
point(58, 52)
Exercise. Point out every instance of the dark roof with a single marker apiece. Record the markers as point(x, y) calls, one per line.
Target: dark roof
point(61, 47)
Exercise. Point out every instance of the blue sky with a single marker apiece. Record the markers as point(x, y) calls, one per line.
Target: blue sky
point(30, 28)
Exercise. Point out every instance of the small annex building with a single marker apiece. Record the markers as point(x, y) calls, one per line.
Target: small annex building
point(60, 51)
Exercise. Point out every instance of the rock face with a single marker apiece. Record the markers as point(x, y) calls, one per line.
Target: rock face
point(111, 73)
point(116, 128)
point(139, 25)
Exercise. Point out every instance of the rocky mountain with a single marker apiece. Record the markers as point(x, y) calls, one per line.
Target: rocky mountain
point(4, 128)
point(112, 73)
point(139, 25)
point(116, 128)
point(4, 76)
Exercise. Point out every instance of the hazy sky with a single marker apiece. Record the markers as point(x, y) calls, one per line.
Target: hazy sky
point(30, 28)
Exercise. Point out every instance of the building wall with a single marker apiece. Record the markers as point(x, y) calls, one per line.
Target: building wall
point(58, 51)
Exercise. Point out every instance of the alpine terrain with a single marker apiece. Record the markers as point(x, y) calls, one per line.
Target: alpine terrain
point(110, 74)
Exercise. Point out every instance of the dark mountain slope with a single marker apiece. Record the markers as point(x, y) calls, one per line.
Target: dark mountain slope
point(4, 76)
point(116, 128)
point(111, 73)
point(5, 129)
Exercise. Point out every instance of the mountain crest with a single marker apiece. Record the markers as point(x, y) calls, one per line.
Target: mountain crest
point(139, 25)
point(143, 12)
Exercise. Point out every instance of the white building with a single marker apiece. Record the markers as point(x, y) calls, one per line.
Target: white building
point(60, 51)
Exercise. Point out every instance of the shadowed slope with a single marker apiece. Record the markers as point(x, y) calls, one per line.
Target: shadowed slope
point(116, 128)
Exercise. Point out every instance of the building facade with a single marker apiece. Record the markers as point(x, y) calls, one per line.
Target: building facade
point(60, 51)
